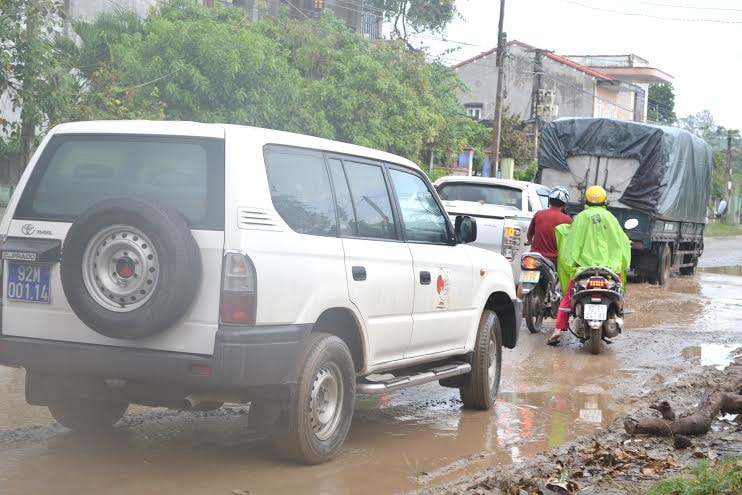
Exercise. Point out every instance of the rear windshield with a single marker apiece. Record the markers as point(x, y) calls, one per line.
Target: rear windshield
point(75, 172)
point(485, 193)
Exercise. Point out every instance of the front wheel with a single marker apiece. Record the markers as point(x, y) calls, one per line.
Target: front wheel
point(86, 415)
point(480, 389)
point(321, 410)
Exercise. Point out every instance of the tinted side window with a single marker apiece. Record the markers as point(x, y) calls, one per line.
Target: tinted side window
point(77, 171)
point(423, 219)
point(343, 200)
point(371, 201)
point(300, 189)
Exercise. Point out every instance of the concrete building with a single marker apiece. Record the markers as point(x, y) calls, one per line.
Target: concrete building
point(541, 85)
point(628, 70)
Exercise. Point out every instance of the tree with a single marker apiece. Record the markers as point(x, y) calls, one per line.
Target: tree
point(415, 16)
point(661, 104)
point(37, 80)
point(311, 76)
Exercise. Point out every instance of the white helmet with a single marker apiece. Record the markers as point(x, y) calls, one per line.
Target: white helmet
point(560, 194)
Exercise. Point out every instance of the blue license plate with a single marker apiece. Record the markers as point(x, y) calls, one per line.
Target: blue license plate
point(28, 282)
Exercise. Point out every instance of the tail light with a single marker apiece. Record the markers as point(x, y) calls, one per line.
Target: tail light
point(530, 263)
point(510, 241)
point(596, 283)
point(239, 290)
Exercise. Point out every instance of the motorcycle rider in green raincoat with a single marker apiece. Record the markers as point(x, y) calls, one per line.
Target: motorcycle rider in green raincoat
point(595, 238)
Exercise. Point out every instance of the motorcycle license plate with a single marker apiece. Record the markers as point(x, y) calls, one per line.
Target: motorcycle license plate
point(595, 312)
point(529, 276)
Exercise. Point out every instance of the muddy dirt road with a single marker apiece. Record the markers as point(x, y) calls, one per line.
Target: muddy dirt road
point(401, 442)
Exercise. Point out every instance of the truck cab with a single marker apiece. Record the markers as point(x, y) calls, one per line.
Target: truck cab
point(503, 209)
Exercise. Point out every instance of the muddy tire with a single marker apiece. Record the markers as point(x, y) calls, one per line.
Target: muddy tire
point(596, 341)
point(664, 263)
point(533, 313)
point(480, 389)
point(87, 415)
point(321, 410)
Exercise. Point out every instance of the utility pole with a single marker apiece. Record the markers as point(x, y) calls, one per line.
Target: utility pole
point(538, 70)
point(497, 122)
point(729, 167)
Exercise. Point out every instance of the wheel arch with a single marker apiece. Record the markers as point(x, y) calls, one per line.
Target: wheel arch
point(504, 308)
point(344, 324)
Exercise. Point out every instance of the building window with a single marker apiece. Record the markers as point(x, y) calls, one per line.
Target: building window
point(475, 112)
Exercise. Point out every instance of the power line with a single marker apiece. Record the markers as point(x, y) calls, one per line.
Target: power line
point(650, 16)
point(690, 7)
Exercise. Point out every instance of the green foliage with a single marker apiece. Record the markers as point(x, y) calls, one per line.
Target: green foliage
point(38, 85)
point(708, 478)
point(310, 76)
point(415, 16)
point(721, 230)
point(528, 173)
point(661, 104)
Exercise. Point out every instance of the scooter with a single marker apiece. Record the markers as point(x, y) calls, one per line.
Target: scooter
point(597, 307)
point(539, 289)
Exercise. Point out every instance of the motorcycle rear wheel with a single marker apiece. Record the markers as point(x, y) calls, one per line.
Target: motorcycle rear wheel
point(596, 340)
point(533, 313)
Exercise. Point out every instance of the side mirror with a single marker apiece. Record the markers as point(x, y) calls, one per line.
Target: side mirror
point(466, 229)
point(722, 208)
point(631, 223)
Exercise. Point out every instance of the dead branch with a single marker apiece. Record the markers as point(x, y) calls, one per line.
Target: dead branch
point(695, 423)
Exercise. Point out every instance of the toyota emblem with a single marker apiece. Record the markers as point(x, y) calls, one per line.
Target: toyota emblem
point(28, 229)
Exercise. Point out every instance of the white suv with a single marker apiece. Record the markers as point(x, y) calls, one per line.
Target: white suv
point(186, 265)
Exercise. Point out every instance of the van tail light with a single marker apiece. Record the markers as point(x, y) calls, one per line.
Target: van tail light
point(239, 290)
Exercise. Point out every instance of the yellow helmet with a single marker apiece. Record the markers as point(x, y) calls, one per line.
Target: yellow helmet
point(596, 195)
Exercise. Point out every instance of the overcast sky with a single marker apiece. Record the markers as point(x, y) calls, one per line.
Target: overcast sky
point(704, 57)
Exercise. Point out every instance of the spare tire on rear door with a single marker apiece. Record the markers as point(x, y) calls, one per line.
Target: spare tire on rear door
point(130, 268)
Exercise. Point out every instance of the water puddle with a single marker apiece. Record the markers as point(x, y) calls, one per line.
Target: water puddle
point(403, 441)
point(717, 355)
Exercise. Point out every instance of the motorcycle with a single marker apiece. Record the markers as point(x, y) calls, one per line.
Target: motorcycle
point(597, 307)
point(539, 286)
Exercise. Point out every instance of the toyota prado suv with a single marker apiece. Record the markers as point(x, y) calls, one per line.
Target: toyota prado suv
point(186, 265)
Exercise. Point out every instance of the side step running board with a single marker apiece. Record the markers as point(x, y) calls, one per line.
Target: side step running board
point(398, 382)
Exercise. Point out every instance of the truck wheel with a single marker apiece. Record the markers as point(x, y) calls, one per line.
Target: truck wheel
point(87, 415)
point(664, 262)
point(480, 389)
point(689, 270)
point(321, 410)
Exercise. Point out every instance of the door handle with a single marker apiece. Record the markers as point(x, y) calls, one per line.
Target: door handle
point(359, 273)
point(425, 278)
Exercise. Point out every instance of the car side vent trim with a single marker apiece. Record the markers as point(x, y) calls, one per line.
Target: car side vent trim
point(258, 219)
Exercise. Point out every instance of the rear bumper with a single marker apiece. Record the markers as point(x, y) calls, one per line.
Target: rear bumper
point(243, 358)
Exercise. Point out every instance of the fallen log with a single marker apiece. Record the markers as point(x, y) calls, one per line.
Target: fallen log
point(695, 423)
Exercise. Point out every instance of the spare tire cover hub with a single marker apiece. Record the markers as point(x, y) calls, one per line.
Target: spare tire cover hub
point(120, 268)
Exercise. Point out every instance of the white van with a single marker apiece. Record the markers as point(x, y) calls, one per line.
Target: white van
point(185, 265)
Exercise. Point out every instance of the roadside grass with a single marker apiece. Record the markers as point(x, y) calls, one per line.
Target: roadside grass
point(721, 230)
point(723, 476)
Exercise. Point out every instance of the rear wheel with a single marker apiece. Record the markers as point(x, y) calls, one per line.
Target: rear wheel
point(533, 312)
point(664, 263)
point(596, 341)
point(480, 389)
point(321, 410)
point(87, 414)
